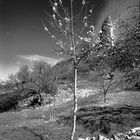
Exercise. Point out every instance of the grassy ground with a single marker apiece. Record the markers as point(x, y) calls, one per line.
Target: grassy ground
point(32, 125)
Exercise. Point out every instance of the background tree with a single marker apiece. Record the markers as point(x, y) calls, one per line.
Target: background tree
point(29, 82)
point(5, 87)
point(125, 54)
point(20, 79)
point(104, 74)
point(23, 74)
point(44, 80)
point(40, 76)
point(13, 81)
point(106, 78)
point(117, 59)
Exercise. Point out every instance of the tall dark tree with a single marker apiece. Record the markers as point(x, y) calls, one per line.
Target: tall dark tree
point(125, 55)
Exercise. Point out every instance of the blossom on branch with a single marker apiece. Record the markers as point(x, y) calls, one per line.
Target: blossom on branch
point(85, 18)
point(83, 2)
point(90, 11)
point(60, 1)
point(90, 32)
point(60, 24)
point(85, 21)
point(67, 19)
point(46, 29)
point(87, 39)
point(85, 24)
point(92, 27)
point(71, 48)
point(53, 16)
point(54, 9)
point(81, 38)
point(53, 37)
point(55, 4)
point(60, 44)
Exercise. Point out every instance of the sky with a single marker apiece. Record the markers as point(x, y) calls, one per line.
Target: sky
point(22, 38)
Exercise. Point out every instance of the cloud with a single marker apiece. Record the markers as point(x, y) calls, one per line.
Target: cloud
point(49, 60)
point(14, 65)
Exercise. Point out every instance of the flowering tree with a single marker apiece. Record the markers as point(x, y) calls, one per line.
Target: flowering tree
point(73, 45)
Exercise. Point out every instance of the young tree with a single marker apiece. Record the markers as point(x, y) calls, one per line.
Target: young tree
point(106, 78)
point(73, 45)
point(101, 66)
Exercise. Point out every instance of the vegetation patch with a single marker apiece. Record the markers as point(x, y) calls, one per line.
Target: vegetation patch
point(106, 120)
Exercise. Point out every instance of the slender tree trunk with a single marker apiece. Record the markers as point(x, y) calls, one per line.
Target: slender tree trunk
point(53, 113)
point(104, 91)
point(75, 76)
point(105, 96)
point(75, 104)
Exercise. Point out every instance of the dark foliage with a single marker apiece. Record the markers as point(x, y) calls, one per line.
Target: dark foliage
point(9, 101)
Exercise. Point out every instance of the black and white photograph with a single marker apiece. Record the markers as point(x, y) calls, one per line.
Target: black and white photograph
point(69, 70)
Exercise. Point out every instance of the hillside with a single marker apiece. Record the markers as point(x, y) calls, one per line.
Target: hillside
point(120, 108)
